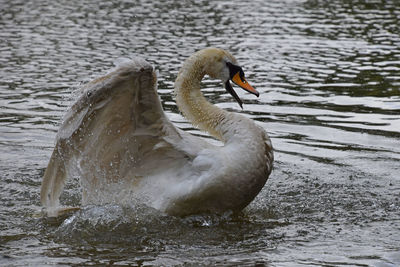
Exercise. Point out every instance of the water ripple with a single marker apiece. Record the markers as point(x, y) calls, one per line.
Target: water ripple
point(329, 77)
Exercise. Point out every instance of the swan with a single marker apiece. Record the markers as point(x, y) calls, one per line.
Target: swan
point(118, 141)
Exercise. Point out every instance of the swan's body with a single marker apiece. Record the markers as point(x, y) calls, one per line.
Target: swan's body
point(120, 143)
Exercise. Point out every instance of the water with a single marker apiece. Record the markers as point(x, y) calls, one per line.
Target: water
point(329, 78)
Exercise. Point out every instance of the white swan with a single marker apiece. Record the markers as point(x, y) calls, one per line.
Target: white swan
point(118, 141)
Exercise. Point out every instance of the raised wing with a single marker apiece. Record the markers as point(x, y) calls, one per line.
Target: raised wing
point(116, 134)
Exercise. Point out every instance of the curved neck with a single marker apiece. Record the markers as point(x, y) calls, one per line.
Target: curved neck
point(191, 101)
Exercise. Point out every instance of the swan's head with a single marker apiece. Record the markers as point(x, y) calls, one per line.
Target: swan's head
point(222, 65)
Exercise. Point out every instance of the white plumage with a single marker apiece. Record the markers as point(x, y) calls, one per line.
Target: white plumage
point(122, 146)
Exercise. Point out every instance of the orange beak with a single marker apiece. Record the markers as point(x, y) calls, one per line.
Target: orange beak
point(241, 81)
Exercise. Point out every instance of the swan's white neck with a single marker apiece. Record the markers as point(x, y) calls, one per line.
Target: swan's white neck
point(191, 101)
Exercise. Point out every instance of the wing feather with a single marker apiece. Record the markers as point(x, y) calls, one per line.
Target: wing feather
point(116, 132)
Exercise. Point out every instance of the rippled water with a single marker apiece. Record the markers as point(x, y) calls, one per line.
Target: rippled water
point(329, 77)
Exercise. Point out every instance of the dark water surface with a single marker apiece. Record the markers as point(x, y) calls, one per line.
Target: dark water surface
point(329, 77)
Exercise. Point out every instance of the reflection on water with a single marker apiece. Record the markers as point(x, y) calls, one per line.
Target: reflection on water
point(329, 77)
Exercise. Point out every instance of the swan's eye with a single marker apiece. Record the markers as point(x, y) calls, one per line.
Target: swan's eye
point(234, 69)
point(241, 75)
